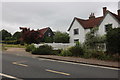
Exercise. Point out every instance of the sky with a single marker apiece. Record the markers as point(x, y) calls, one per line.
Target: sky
point(56, 15)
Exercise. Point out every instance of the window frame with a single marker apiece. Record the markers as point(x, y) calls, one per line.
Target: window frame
point(76, 31)
point(108, 27)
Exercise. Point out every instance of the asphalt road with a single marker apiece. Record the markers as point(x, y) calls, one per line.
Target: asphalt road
point(21, 67)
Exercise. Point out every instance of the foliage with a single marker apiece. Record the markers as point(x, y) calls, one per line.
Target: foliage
point(92, 39)
point(100, 55)
point(29, 48)
point(31, 37)
point(66, 53)
point(17, 35)
point(113, 40)
point(56, 52)
point(61, 37)
point(76, 50)
point(5, 34)
point(42, 50)
point(48, 39)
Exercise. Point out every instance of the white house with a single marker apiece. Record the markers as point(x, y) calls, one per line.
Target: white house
point(79, 27)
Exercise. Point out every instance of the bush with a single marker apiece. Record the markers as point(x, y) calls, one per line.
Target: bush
point(98, 55)
point(30, 48)
point(56, 52)
point(76, 50)
point(66, 53)
point(88, 54)
point(43, 50)
point(113, 41)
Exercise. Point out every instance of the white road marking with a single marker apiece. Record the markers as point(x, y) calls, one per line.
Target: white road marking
point(57, 72)
point(19, 63)
point(8, 76)
point(80, 64)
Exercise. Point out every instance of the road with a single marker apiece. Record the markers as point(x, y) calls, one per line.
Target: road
point(21, 67)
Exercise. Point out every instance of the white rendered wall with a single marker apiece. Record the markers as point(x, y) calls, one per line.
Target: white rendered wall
point(107, 20)
point(80, 36)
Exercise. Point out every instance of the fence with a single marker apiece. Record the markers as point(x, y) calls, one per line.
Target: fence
point(57, 45)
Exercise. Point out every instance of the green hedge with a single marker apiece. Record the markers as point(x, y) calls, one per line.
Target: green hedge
point(29, 48)
point(113, 41)
point(43, 50)
point(76, 50)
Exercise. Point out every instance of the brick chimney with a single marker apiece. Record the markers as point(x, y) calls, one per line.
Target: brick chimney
point(118, 12)
point(91, 16)
point(104, 10)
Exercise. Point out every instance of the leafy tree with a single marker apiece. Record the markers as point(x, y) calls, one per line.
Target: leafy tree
point(4, 33)
point(48, 39)
point(92, 38)
point(17, 35)
point(113, 41)
point(31, 37)
point(61, 37)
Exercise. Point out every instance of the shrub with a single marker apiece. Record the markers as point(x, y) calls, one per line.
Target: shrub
point(30, 48)
point(43, 50)
point(98, 55)
point(76, 50)
point(56, 52)
point(66, 53)
point(113, 41)
point(88, 54)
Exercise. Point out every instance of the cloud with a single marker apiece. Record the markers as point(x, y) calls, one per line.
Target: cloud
point(58, 15)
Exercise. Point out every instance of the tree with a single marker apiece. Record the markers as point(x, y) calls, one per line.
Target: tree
point(17, 35)
point(31, 37)
point(113, 40)
point(61, 37)
point(48, 39)
point(93, 39)
point(5, 34)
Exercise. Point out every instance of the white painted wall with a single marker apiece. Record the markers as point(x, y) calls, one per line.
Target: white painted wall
point(107, 20)
point(80, 36)
point(57, 45)
point(101, 31)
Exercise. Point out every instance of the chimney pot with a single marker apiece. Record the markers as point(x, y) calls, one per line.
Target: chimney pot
point(91, 16)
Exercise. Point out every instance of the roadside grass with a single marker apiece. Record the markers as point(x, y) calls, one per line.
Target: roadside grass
point(13, 45)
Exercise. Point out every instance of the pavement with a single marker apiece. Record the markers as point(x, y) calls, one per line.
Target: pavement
point(22, 52)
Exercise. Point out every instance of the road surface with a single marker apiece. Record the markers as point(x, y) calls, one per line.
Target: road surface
point(21, 67)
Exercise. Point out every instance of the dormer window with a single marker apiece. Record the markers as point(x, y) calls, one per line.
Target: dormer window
point(108, 27)
point(76, 31)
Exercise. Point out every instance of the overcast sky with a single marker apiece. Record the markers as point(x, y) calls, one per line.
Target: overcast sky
point(56, 15)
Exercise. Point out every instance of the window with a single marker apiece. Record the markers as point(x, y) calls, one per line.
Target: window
point(49, 34)
point(76, 40)
point(76, 31)
point(108, 27)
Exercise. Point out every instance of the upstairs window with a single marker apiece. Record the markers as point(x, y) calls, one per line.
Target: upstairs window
point(76, 31)
point(108, 27)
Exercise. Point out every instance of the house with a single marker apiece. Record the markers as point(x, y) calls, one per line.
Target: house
point(41, 33)
point(79, 27)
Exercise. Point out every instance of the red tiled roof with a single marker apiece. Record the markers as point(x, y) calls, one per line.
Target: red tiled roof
point(42, 31)
point(89, 23)
point(93, 22)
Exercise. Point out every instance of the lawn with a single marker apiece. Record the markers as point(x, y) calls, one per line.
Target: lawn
point(13, 45)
